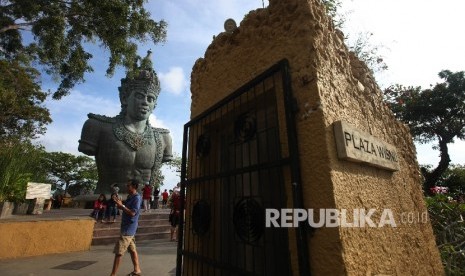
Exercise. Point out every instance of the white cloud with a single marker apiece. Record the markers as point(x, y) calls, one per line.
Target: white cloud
point(421, 36)
point(69, 115)
point(79, 103)
point(62, 138)
point(156, 122)
point(174, 81)
point(426, 155)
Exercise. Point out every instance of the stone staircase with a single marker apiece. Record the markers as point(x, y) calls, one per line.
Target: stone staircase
point(153, 225)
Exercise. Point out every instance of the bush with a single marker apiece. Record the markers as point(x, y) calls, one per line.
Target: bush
point(447, 220)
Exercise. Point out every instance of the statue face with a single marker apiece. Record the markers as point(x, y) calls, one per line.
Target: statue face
point(140, 104)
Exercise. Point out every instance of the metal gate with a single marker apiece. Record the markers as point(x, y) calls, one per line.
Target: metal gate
point(240, 158)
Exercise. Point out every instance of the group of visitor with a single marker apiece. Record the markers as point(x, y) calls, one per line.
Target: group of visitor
point(106, 209)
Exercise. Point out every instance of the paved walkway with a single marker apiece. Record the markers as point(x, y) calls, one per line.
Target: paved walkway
point(157, 258)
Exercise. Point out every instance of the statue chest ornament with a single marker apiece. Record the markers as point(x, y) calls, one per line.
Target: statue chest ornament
point(135, 140)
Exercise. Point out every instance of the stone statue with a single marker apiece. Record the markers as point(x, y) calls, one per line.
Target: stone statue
point(126, 146)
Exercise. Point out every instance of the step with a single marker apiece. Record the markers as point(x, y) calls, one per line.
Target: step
point(152, 226)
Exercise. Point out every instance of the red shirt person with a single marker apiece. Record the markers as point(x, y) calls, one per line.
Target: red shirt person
point(164, 197)
point(99, 208)
point(147, 196)
point(175, 213)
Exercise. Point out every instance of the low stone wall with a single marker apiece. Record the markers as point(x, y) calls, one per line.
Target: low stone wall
point(35, 238)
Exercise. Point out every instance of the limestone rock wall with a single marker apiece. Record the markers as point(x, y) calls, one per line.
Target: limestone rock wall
point(329, 84)
point(349, 92)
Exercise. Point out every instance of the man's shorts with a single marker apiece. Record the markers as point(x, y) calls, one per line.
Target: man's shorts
point(124, 244)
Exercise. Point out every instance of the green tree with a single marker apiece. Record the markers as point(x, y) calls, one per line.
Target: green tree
point(175, 164)
point(453, 178)
point(65, 169)
point(60, 30)
point(436, 114)
point(159, 178)
point(22, 114)
point(20, 163)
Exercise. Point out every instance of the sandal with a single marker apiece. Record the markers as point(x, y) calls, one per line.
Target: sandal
point(135, 274)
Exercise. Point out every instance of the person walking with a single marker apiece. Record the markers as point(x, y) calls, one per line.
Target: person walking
point(129, 220)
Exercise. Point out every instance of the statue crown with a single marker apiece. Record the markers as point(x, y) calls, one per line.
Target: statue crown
point(143, 76)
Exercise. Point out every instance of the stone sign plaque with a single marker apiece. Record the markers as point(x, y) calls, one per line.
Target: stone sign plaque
point(38, 190)
point(358, 146)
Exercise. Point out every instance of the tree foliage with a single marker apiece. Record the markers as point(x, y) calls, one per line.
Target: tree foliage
point(159, 178)
point(60, 30)
point(20, 163)
point(22, 114)
point(175, 164)
point(65, 169)
point(434, 114)
point(449, 229)
point(453, 178)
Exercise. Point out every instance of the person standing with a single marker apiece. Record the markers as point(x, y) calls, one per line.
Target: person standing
point(99, 208)
point(164, 196)
point(175, 213)
point(147, 196)
point(112, 210)
point(129, 221)
point(156, 197)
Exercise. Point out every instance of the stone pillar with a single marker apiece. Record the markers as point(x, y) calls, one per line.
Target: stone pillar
point(6, 209)
point(36, 207)
point(329, 85)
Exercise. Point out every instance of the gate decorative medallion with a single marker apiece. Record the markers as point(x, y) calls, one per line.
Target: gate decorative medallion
point(236, 163)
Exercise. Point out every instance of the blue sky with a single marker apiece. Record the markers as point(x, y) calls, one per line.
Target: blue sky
point(419, 39)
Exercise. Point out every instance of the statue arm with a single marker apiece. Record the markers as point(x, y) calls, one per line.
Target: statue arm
point(168, 145)
point(168, 150)
point(88, 144)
